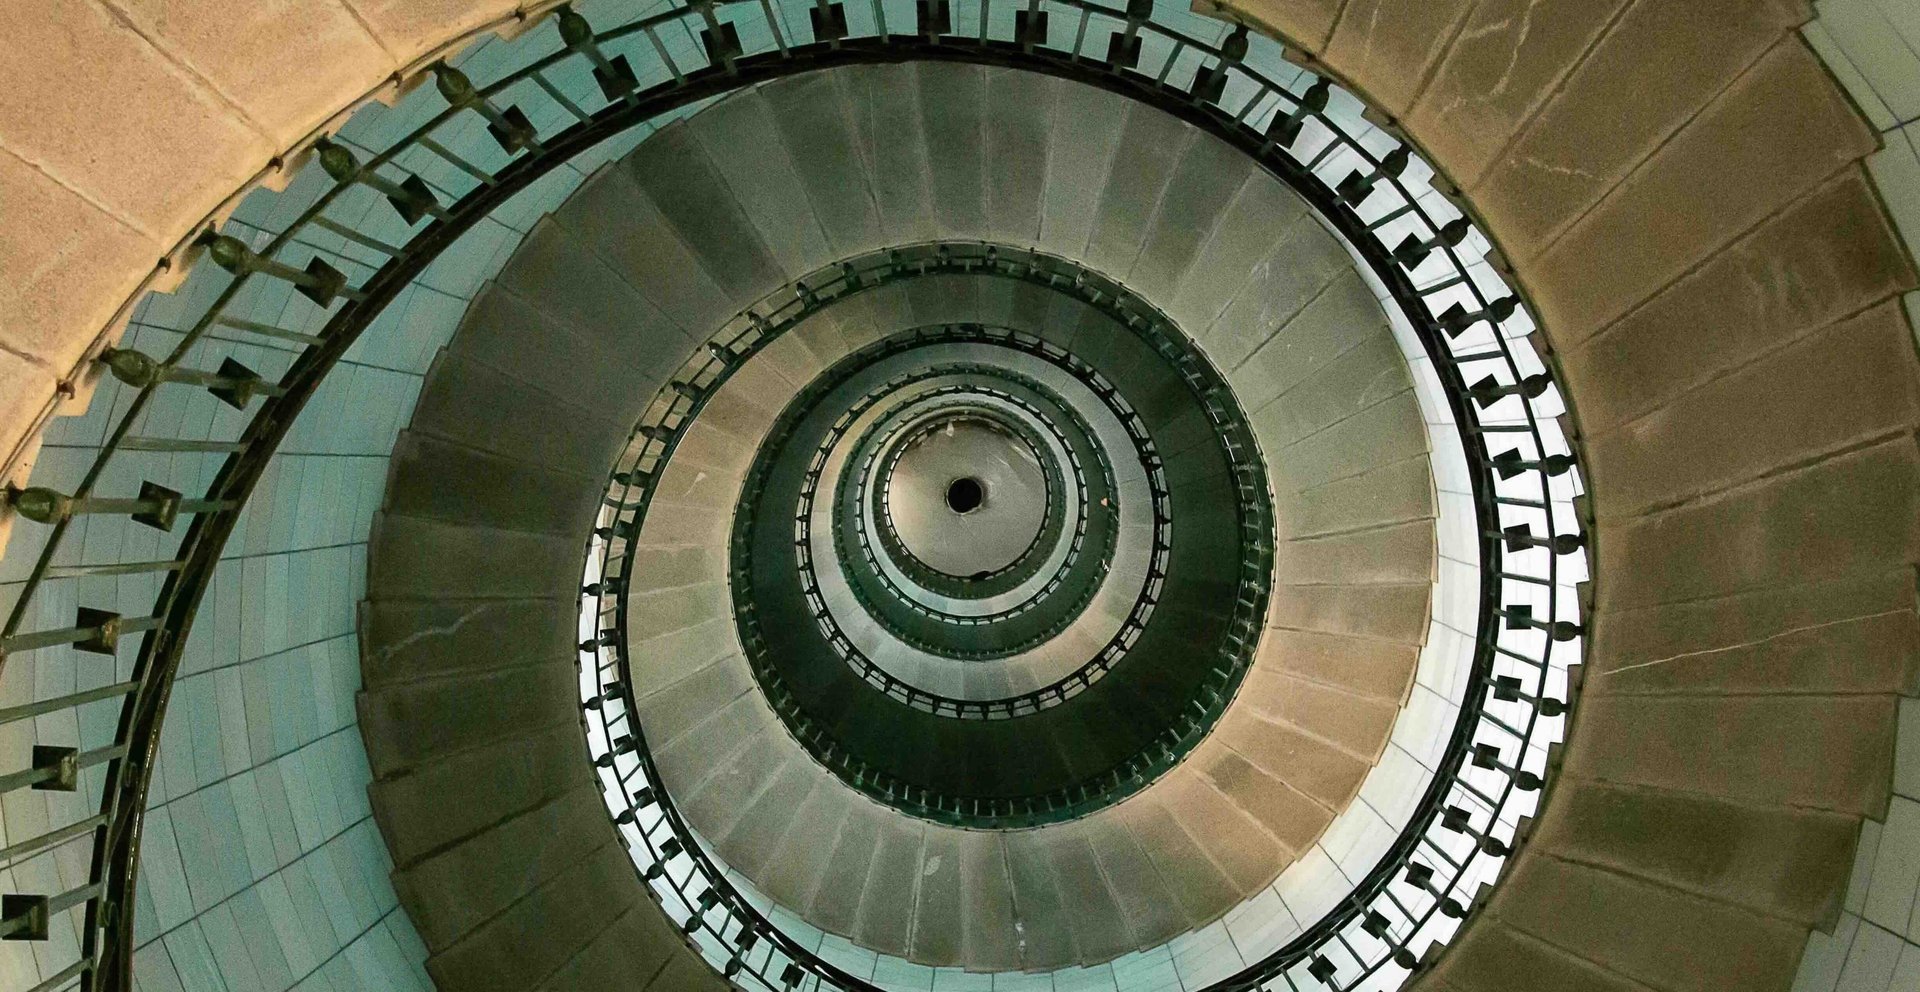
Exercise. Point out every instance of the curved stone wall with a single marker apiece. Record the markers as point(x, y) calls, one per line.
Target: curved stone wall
point(1724, 102)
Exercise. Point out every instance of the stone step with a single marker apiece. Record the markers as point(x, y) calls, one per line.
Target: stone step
point(437, 803)
point(482, 407)
point(639, 950)
point(1834, 246)
point(449, 561)
point(436, 479)
point(815, 116)
point(1782, 861)
point(1491, 956)
point(617, 218)
point(456, 890)
point(1711, 181)
point(421, 722)
point(521, 948)
point(408, 640)
point(1678, 941)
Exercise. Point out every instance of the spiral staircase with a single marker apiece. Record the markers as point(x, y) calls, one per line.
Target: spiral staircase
point(1287, 495)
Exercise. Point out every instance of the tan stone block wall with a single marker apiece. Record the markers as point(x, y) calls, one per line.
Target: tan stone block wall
point(126, 124)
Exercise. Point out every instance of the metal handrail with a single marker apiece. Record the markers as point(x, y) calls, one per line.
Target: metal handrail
point(1500, 390)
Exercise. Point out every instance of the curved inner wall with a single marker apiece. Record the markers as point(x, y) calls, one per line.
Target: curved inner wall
point(1830, 960)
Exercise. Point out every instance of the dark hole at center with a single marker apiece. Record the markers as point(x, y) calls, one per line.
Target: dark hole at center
point(965, 495)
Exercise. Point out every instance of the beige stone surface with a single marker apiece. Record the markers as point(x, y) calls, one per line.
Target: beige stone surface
point(93, 104)
point(65, 266)
point(1783, 862)
point(1507, 60)
point(1665, 938)
point(337, 57)
point(1823, 752)
point(1778, 130)
point(1842, 387)
point(1852, 635)
point(1829, 255)
point(1490, 956)
point(413, 28)
point(1853, 513)
point(1611, 112)
point(1394, 45)
point(1306, 23)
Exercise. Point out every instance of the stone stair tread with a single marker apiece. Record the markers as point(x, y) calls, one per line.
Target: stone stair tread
point(455, 890)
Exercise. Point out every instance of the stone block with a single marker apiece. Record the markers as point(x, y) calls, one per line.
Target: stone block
point(339, 60)
point(1839, 388)
point(26, 394)
point(886, 904)
point(1660, 936)
point(1853, 513)
point(485, 408)
point(66, 266)
point(521, 947)
point(409, 640)
point(91, 103)
point(799, 863)
point(1821, 752)
point(680, 178)
point(1370, 371)
point(1826, 257)
point(1858, 634)
point(1308, 764)
point(938, 916)
point(1017, 145)
point(1198, 886)
point(1085, 131)
point(1377, 436)
point(1303, 23)
point(1301, 266)
point(1611, 113)
point(670, 711)
point(817, 123)
point(1490, 956)
point(986, 900)
point(717, 786)
point(837, 900)
point(1391, 47)
point(1329, 325)
point(1358, 725)
point(1396, 613)
point(742, 141)
point(1141, 896)
point(1100, 930)
point(1362, 666)
point(624, 224)
point(441, 802)
point(1394, 554)
point(1290, 816)
point(953, 114)
point(454, 891)
point(555, 271)
point(1392, 493)
point(1041, 917)
point(436, 479)
point(1777, 132)
point(1506, 62)
point(1260, 214)
point(1789, 863)
point(448, 561)
point(412, 29)
point(635, 948)
point(1205, 183)
point(420, 722)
